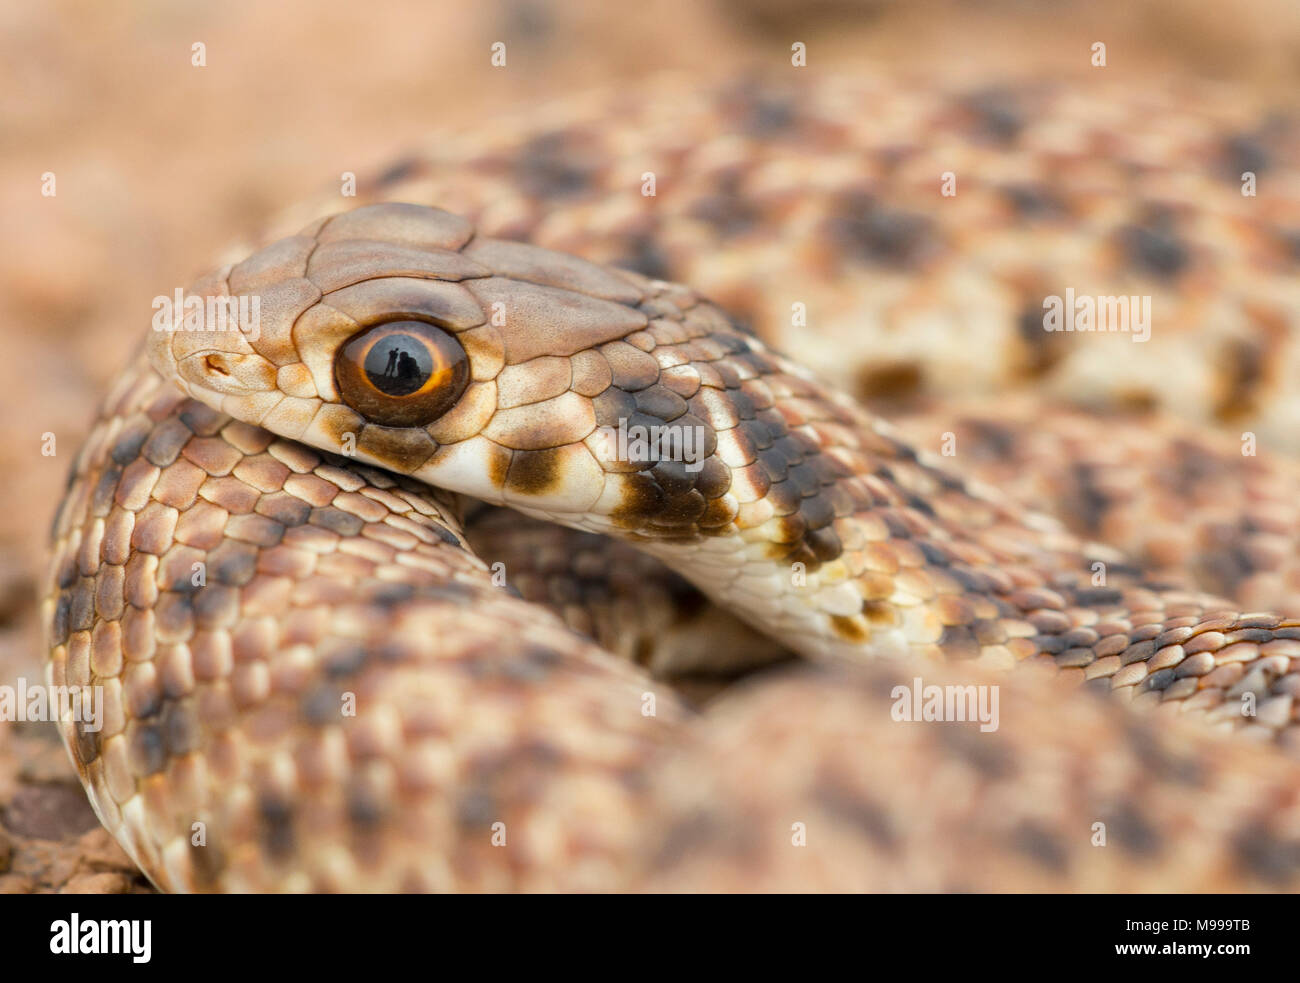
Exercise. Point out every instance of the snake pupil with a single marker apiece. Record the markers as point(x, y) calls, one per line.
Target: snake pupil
point(398, 365)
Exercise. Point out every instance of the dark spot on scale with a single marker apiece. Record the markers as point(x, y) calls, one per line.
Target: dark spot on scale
point(165, 442)
point(1033, 201)
point(232, 563)
point(959, 642)
point(391, 595)
point(1039, 845)
point(321, 705)
point(407, 167)
point(986, 757)
point(1245, 152)
point(365, 810)
point(993, 441)
point(59, 629)
point(344, 660)
point(86, 743)
point(1163, 763)
point(532, 21)
point(181, 730)
point(996, 114)
point(934, 554)
point(555, 165)
point(919, 504)
point(336, 520)
point(275, 821)
point(727, 210)
point(1128, 828)
point(127, 447)
point(445, 534)
point(770, 114)
point(858, 812)
point(1154, 246)
point(1042, 349)
point(1273, 860)
point(183, 585)
point(1290, 242)
point(146, 749)
point(476, 809)
point(701, 833)
point(102, 499)
point(534, 472)
point(763, 111)
point(643, 255)
point(866, 230)
point(1085, 503)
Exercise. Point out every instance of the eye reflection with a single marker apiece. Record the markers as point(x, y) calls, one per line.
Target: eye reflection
point(398, 365)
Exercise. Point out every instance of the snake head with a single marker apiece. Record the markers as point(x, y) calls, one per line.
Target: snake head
point(395, 335)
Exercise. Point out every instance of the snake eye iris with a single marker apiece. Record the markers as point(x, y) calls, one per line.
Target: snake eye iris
point(401, 374)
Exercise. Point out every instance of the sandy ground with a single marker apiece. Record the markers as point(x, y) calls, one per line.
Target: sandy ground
point(158, 164)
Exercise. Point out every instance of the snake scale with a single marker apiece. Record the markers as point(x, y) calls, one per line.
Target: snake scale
point(350, 698)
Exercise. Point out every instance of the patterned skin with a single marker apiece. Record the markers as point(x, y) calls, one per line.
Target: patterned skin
point(805, 515)
point(898, 556)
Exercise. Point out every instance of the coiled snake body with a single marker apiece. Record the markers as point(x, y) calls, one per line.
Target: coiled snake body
point(275, 558)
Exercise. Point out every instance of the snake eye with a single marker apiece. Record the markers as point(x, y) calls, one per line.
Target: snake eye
point(401, 374)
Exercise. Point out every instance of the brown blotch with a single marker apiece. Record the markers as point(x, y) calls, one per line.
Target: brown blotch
point(206, 862)
point(499, 468)
point(1242, 369)
point(404, 449)
point(892, 383)
point(1040, 350)
point(534, 472)
point(849, 628)
point(642, 500)
point(880, 614)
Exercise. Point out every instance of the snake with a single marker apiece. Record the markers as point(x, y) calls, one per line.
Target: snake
point(379, 596)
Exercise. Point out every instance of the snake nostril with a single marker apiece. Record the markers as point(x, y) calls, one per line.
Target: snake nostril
point(216, 365)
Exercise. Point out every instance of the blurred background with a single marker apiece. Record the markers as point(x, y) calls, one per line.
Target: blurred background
point(160, 165)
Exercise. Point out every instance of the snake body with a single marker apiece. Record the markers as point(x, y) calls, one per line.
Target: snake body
point(347, 698)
